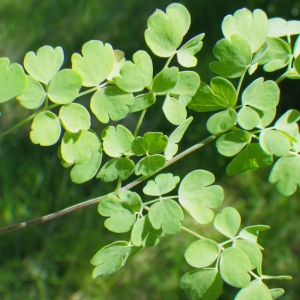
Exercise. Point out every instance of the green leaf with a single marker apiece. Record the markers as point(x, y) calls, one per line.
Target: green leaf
point(255, 290)
point(234, 265)
point(43, 65)
point(220, 95)
point(251, 250)
point(248, 118)
point(252, 27)
point(234, 57)
point(279, 27)
point(64, 86)
point(277, 56)
point(116, 140)
point(162, 184)
point(75, 117)
point(288, 123)
point(143, 233)
point(250, 233)
point(286, 174)
point(251, 158)
point(197, 197)
point(117, 167)
point(110, 258)
point(167, 215)
point(111, 102)
point(185, 54)
point(222, 121)
point(165, 81)
point(13, 81)
point(174, 111)
point(274, 142)
point(165, 31)
point(118, 63)
point(202, 253)
point(187, 84)
point(276, 293)
point(151, 142)
point(95, 64)
point(228, 222)
point(134, 77)
point(33, 96)
point(205, 284)
point(232, 142)
point(45, 129)
point(142, 102)
point(121, 211)
point(78, 147)
point(175, 137)
point(81, 173)
point(150, 164)
point(259, 55)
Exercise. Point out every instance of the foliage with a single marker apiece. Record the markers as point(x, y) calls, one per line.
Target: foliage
point(240, 125)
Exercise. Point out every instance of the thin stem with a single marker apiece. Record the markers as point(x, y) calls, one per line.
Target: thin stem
point(240, 83)
point(193, 233)
point(169, 60)
point(159, 199)
point(98, 199)
point(139, 123)
point(254, 275)
point(88, 91)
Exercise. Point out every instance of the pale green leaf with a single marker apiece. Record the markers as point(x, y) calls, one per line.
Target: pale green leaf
point(81, 173)
point(175, 137)
point(142, 102)
point(198, 196)
point(110, 258)
point(250, 233)
point(205, 284)
point(234, 265)
point(259, 55)
point(251, 250)
point(116, 140)
point(202, 253)
point(150, 164)
point(185, 54)
point(95, 64)
point(165, 81)
point(220, 95)
point(228, 222)
point(288, 123)
point(296, 49)
point(251, 158)
point(286, 174)
point(222, 121)
point(248, 118)
point(234, 57)
point(162, 184)
point(13, 81)
point(279, 27)
point(151, 142)
point(33, 95)
point(187, 84)
point(166, 215)
point(134, 77)
point(64, 86)
point(254, 291)
point(118, 63)
point(111, 102)
point(252, 27)
point(43, 65)
point(233, 142)
point(165, 31)
point(276, 293)
point(75, 117)
point(174, 111)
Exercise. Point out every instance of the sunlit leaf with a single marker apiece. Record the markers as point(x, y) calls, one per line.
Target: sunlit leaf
point(151, 142)
point(150, 164)
point(222, 121)
point(250, 233)
point(288, 123)
point(254, 291)
point(118, 63)
point(279, 27)
point(187, 84)
point(174, 111)
point(251, 250)
point(142, 102)
point(165, 81)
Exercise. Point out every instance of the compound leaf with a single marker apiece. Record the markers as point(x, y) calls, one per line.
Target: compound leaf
point(251, 158)
point(202, 253)
point(134, 77)
point(95, 64)
point(286, 174)
point(162, 184)
point(150, 164)
point(234, 265)
point(116, 140)
point(110, 258)
point(197, 197)
point(13, 81)
point(165, 31)
point(255, 290)
point(43, 65)
point(111, 102)
point(151, 142)
point(234, 57)
point(64, 86)
point(75, 117)
point(45, 129)
point(166, 215)
point(205, 284)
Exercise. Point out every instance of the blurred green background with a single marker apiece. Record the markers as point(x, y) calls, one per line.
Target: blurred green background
point(51, 260)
